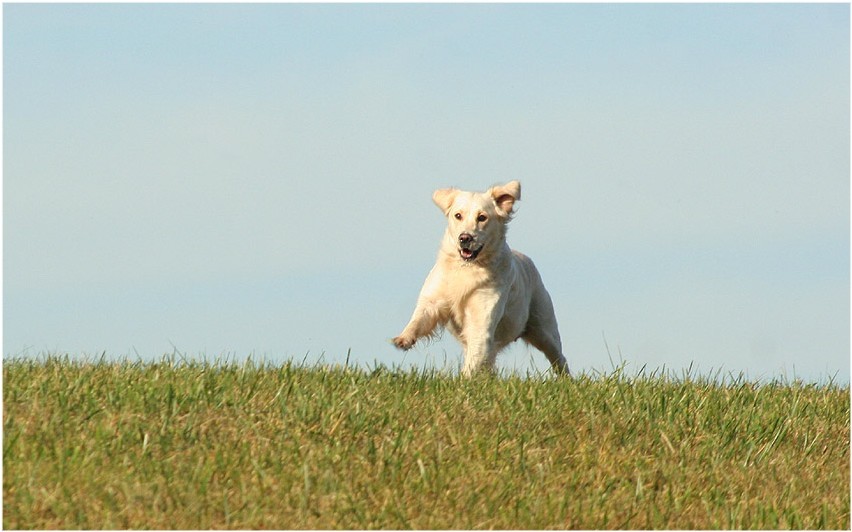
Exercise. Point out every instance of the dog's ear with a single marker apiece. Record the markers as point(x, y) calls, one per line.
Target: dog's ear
point(444, 198)
point(505, 197)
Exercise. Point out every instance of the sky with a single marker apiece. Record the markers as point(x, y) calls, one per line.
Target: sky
point(255, 180)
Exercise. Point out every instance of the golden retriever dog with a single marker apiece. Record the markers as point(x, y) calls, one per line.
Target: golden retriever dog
point(486, 294)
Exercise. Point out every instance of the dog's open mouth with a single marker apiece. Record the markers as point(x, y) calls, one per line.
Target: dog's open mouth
point(469, 254)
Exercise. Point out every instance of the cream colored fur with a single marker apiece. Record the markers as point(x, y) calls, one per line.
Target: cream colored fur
point(484, 293)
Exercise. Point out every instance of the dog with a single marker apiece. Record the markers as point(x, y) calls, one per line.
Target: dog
point(484, 293)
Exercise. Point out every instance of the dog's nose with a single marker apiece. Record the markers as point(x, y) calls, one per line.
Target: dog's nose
point(465, 238)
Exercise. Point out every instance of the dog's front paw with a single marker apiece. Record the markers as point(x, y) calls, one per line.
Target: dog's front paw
point(404, 342)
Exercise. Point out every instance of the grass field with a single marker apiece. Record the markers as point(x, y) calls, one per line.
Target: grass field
point(245, 445)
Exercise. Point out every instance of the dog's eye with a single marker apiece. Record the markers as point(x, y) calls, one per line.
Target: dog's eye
point(481, 218)
point(458, 216)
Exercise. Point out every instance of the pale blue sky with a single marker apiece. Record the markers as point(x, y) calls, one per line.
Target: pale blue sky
point(256, 179)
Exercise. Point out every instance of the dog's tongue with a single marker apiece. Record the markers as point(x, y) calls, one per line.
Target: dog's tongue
point(466, 253)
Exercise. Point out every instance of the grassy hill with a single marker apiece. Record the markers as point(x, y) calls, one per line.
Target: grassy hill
point(223, 445)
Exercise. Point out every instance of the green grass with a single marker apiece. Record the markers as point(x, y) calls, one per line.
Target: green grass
point(244, 445)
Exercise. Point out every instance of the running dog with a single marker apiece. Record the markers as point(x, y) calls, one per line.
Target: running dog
point(484, 293)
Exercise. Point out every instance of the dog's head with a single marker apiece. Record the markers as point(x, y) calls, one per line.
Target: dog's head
point(477, 220)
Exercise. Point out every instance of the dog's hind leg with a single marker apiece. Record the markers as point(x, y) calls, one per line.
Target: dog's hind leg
point(542, 333)
point(551, 346)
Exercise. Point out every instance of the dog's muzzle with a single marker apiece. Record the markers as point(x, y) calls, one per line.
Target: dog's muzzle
point(467, 247)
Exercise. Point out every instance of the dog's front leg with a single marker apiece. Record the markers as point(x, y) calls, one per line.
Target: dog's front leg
point(425, 319)
point(482, 315)
point(428, 313)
